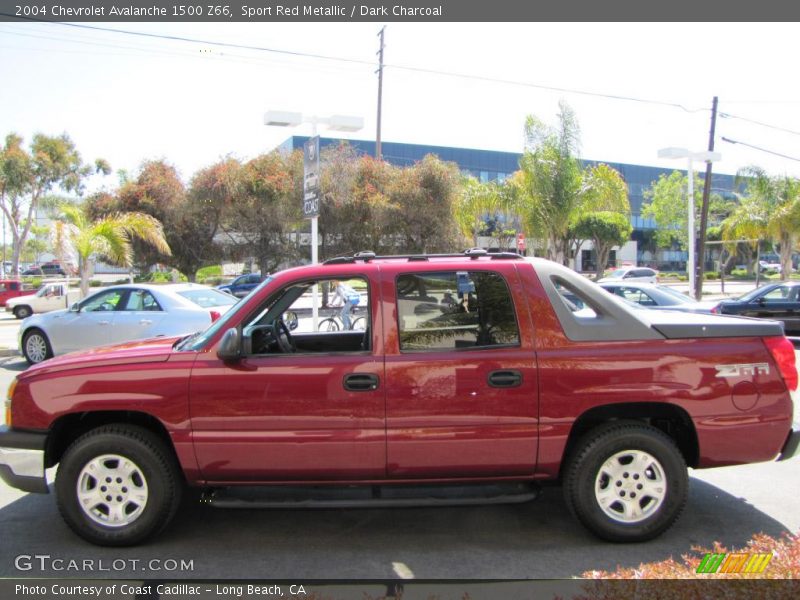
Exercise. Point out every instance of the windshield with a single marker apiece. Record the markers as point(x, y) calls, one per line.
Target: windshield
point(208, 298)
point(198, 340)
point(753, 294)
point(617, 274)
point(676, 295)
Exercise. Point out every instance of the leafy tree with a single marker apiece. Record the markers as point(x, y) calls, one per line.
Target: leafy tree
point(424, 196)
point(26, 176)
point(109, 238)
point(156, 191)
point(356, 211)
point(266, 209)
point(770, 209)
point(667, 207)
point(606, 229)
point(473, 204)
point(548, 185)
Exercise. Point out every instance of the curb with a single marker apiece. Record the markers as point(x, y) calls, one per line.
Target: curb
point(8, 352)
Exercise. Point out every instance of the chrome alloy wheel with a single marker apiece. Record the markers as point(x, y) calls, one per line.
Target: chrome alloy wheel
point(36, 348)
point(630, 486)
point(112, 490)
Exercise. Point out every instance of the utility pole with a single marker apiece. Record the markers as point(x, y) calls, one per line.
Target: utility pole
point(701, 246)
point(380, 94)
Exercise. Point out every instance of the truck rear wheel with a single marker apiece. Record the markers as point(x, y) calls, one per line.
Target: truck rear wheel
point(117, 485)
point(626, 482)
point(22, 311)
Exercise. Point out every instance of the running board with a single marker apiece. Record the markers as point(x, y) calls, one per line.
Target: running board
point(385, 496)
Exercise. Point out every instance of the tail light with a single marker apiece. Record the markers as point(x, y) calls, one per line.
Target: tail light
point(782, 351)
point(214, 315)
point(715, 310)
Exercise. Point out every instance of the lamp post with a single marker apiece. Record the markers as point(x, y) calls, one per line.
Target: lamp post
point(281, 118)
point(705, 156)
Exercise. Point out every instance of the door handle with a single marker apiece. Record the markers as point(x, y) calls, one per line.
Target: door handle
point(360, 382)
point(145, 322)
point(505, 379)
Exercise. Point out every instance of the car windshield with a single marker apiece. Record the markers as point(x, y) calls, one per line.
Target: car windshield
point(617, 274)
point(208, 298)
point(753, 294)
point(675, 294)
point(198, 340)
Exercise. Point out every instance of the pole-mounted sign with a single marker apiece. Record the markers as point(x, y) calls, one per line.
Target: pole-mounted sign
point(311, 178)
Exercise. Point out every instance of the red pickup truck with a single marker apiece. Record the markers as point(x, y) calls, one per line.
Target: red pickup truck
point(12, 288)
point(475, 378)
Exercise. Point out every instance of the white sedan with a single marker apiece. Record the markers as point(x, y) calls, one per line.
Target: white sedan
point(122, 313)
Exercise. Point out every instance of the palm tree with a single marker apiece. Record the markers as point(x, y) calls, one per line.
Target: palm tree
point(109, 237)
point(473, 204)
point(771, 208)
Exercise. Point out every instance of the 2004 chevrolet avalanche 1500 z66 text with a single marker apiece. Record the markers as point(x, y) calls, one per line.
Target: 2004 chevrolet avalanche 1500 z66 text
point(475, 378)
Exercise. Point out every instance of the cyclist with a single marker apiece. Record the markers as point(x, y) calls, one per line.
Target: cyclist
point(349, 299)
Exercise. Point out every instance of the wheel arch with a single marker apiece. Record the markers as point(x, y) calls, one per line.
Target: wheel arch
point(68, 428)
point(671, 419)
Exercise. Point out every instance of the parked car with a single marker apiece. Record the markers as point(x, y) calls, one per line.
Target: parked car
point(53, 270)
point(628, 274)
point(657, 297)
point(509, 387)
point(242, 285)
point(122, 313)
point(51, 296)
point(778, 301)
point(12, 288)
point(33, 272)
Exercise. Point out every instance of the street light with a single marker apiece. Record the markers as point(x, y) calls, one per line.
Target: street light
point(706, 156)
point(282, 118)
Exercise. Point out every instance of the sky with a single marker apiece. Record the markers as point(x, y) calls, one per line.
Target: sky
point(635, 87)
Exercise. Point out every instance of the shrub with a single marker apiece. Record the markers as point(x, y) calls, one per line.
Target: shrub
point(711, 275)
point(208, 272)
point(785, 563)
point(739, 274)
point(214, 280)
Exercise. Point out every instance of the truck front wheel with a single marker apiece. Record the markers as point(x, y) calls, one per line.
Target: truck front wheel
point(626, 482)
point(36, 346)
point(118, 485)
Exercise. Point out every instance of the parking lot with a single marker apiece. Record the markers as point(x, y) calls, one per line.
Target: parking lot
point(538, 539)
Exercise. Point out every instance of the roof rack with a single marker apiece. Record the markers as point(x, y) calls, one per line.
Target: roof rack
point(471, 253)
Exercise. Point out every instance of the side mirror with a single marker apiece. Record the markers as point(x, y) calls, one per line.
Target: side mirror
point(230, 347)
point(75, 307)
point(290, 318)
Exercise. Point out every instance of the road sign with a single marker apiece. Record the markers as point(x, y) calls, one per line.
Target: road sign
point(311, 193)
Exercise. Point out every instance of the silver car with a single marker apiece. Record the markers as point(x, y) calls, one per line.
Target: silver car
point(122, 313)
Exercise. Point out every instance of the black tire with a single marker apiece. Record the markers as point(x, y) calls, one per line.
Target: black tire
point(599, 468)
point(36, 347)
point(22, 311)
point(359, 324)
point(156, 475)
point(328, 324)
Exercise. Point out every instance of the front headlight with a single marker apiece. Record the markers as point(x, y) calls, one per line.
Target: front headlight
point(9, 396)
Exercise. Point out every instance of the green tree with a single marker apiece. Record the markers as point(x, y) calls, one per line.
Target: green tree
point(666, 205)
point(606, 229)
point(770, 209)
point(108, 238)
point(26, 176)
point(474, 202)
point(548, 185)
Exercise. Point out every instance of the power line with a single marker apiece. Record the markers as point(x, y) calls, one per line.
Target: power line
point(372, 64)
point(730, 141)
point(730, 116)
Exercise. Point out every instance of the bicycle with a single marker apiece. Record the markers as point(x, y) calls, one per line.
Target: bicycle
point(334, 322)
